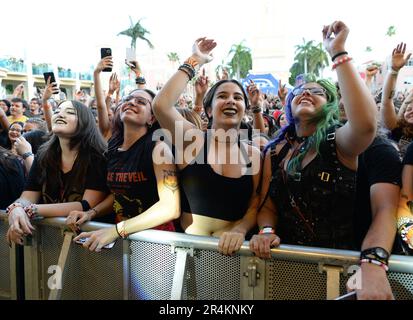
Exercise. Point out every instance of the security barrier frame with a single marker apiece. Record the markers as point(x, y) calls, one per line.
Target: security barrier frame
point(164, 265)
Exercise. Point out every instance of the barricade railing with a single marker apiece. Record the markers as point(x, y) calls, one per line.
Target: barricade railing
point(160, 265)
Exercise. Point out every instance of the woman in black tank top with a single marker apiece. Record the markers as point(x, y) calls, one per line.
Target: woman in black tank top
point(219, 196)
point(309, 169)
point(144, 188)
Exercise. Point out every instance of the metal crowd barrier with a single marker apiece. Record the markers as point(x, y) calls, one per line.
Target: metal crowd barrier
point(160, 265)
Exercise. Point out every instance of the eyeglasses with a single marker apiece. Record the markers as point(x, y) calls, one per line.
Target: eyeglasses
point(313, 91)
point(140, 101)
point(16, 130)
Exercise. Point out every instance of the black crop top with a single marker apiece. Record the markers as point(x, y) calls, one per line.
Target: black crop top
point(206, 193)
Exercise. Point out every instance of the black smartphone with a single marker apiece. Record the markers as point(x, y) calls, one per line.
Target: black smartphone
point(50, 75)
point(106, 52)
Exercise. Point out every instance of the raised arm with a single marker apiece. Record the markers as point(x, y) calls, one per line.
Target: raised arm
point(256, 101)
point(163, 104)
point(388, 113)
point(371, 71)
point(104, 124)
point(359, 131)
point(201, 88)
point(405, 104)
point(4, 123)
point(47, 109)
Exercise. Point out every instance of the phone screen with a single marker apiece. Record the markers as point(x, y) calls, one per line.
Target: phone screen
point(50, 75)
point(106, 52)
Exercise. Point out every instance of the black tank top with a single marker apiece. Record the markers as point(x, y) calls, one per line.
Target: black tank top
point(206, 193)
point(315, 206)
point(131, 178)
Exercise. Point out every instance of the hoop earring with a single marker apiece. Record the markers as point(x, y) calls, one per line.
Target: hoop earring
point(149, 125)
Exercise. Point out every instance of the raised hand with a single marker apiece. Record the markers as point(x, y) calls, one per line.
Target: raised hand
point(398, 60)
point(225, 75)
point(335, 44)
point(282, 90)
point(201, 50)
point(22, 146)
point(114, 83)
point(254, 95)
point(201, 84)
point(106, 62)
point(18, 92)
point(49, 90)
point(134, 66)
point(371, 71)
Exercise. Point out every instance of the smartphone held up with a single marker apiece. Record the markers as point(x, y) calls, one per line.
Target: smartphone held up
point(49, 76)
point(106, 52)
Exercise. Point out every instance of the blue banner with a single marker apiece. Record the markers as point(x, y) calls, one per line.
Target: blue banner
point(267, 83)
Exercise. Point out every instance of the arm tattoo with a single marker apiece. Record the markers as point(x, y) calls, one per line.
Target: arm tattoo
point(392, 93)
point(170, 180)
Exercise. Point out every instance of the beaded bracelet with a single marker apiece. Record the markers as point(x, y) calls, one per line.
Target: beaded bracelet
point(32, 211)
point(341, 61)
point(13, 206)
point(188, 70)
point(376, 262)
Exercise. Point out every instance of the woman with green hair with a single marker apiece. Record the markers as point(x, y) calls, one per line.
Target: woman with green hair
point(310, 168)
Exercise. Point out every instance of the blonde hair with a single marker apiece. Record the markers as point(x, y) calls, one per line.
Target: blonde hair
point(191, 116)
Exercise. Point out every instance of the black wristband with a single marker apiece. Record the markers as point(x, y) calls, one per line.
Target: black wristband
point(256, 110)
point(140, 80)
point(342, 53)
point(85, 205)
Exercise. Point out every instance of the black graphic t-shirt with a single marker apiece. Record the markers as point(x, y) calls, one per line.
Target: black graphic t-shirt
point(95, 179)
point(132, 180)
point(11, 183)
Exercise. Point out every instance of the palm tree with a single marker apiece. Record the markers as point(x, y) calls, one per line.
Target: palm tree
point(136, 31)
point(391, 31)
point(309, 58)
point(241, 62)
point(173, 57)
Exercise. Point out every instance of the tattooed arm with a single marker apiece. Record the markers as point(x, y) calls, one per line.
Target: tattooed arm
point(166, 209)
